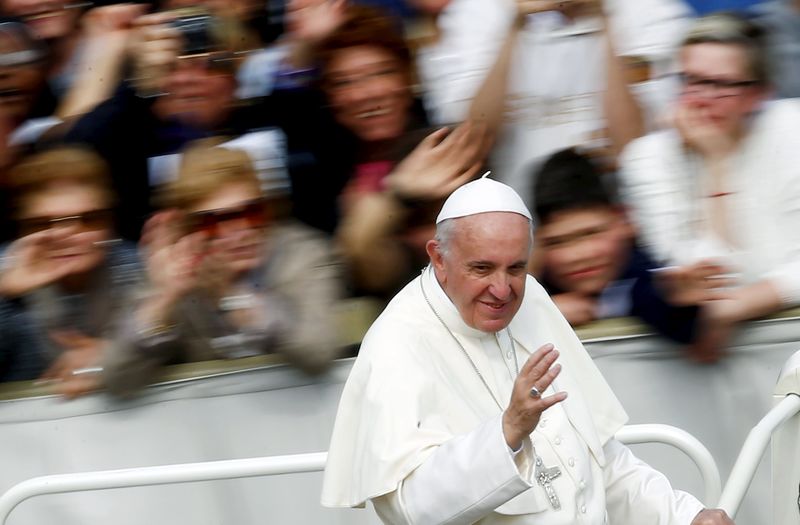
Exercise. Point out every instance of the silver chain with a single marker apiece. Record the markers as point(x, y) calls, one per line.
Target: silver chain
point(464, 350)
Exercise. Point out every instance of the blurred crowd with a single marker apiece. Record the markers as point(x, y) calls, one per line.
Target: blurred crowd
point(192, 180)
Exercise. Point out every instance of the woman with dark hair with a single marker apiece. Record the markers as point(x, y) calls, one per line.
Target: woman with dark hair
point(401, 171)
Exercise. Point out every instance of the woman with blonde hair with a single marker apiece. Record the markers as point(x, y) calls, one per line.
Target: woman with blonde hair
point(65, 280)
point(227, 277)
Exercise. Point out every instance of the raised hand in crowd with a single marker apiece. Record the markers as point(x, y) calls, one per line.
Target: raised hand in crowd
point(308, 23)
point(374, 234)
point(527, 7)
point(154, 47)
point(106, 31)
point(442, 162)
point(28, 264)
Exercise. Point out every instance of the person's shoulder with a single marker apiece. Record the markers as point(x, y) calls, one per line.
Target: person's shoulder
point(651, 144)
point(781, 112)
point(401, 327)
point(291, 230)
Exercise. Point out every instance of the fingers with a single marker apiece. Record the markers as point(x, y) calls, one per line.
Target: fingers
point(435, 138)
point(536, 358)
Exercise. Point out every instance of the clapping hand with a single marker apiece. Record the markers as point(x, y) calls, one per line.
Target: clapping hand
point(694, 284)
point(440, 164)
point(172, 259)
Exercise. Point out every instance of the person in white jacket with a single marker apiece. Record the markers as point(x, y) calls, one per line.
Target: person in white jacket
point(716, 198)
point(472, 400)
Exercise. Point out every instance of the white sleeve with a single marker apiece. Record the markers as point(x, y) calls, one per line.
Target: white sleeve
point(650, 188)
point(637, 493)
point(454, 68)
point(463, 481)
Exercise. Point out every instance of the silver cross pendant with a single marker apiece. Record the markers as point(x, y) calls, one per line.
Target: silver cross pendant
point(544, 477)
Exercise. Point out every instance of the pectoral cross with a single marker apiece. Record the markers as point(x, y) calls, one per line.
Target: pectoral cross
point(544, 477)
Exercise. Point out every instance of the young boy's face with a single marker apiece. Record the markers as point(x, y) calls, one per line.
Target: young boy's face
point(583, 250)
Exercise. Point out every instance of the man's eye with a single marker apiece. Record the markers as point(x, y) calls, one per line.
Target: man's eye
point(517, 269)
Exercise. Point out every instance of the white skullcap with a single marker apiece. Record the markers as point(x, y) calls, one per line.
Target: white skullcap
point(482, 196)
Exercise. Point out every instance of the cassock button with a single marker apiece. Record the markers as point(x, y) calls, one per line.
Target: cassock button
point(582, 484)
point(571, 462)
point(508, 355)
point(583, 509)
point(558, 440)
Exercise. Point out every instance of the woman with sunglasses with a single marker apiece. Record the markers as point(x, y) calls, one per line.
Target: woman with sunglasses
point(65, 279)
point(228, 277)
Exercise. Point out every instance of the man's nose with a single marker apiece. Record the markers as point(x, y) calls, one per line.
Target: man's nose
point(500, 287)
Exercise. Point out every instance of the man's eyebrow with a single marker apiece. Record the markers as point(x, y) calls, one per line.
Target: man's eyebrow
point(479, 263)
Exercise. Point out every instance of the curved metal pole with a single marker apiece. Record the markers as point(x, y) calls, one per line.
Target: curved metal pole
point(160, 475)
point(686, 443)
point(750, 456)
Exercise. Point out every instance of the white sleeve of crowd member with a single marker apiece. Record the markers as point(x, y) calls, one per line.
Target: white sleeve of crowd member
point(464, 480)
point(637, 493)
point(651, 187)
point(453, 69)
point(651, 30)
point(779, 188)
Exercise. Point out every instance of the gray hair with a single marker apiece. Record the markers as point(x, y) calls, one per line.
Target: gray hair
point(445, 231)
point(732, 29)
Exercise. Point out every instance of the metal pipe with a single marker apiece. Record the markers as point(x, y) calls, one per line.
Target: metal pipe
point(686, 443)
point(159, 475)
point(750, 456)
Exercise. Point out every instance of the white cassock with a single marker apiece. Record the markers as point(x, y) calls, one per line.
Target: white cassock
point(419, 433)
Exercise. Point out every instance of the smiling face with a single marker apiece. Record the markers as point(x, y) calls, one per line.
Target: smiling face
point(369, 91)
point(48, 19)
point(198, 94)
point(482, 268)
point(238, 223)
point(19, 83)
point(77, 218)
point(583, 250)
point(718, 81)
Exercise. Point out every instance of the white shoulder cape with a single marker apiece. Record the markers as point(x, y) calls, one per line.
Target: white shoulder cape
point(412, 389)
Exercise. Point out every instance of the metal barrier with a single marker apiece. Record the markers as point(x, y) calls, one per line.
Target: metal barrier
point(750, 456)
point(686, 443)
point(298, 463)
point(160, 475)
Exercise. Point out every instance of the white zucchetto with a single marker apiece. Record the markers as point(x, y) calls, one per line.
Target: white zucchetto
point(482, 196)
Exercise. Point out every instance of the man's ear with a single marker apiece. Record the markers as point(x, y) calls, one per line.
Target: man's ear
point(435, 254)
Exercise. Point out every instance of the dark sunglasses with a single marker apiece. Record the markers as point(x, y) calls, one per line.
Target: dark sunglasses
point(207, 221)
point(89, 220)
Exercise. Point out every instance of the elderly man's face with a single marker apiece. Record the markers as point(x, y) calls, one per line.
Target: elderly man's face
point(484, 269)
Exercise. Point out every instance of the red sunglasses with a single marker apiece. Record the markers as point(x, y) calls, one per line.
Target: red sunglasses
point(207, 221)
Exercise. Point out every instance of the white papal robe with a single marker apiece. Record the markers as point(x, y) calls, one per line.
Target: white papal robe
point(419, 433)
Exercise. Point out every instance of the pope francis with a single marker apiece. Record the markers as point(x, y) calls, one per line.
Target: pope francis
point(472, 400)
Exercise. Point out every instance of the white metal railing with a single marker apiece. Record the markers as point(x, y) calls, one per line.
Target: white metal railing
point(686, 443)
point(292, 464)
point(160, 475)
point(750, 455)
